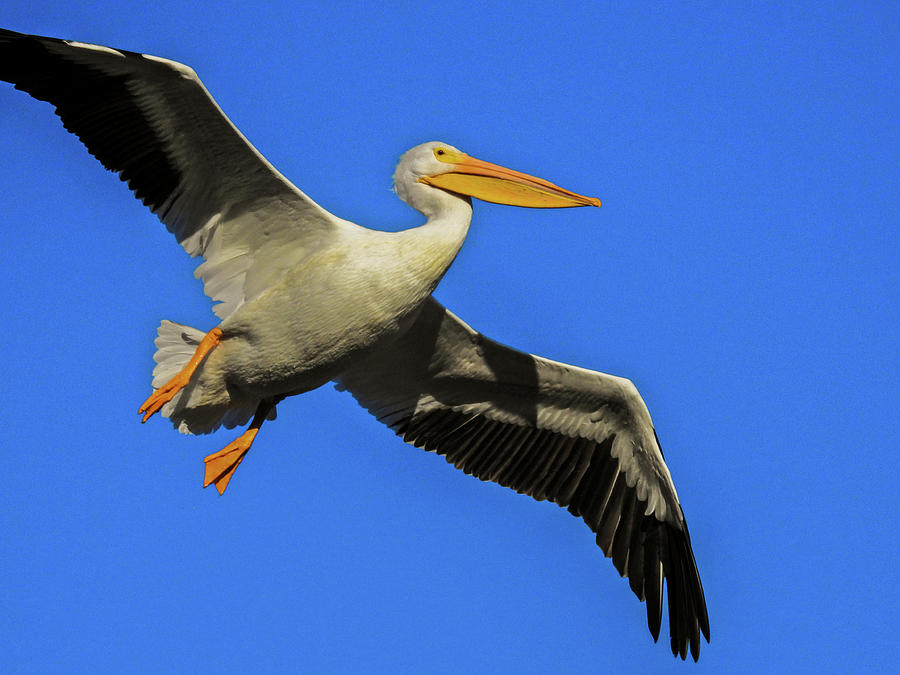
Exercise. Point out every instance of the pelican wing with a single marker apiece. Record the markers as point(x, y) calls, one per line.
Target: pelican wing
point(573, 436)
point(152, 121)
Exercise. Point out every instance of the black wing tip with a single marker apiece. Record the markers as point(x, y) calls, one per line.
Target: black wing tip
point(8, 36)
point(99, 106)
point(651, 553)
point(654, 623)
point(688, 616)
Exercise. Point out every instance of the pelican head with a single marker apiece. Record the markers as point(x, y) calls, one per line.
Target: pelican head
point(440, 165)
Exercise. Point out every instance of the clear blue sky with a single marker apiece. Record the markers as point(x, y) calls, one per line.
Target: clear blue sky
point(742, 272)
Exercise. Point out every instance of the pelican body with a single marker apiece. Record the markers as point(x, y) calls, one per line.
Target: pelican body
point(307, 298)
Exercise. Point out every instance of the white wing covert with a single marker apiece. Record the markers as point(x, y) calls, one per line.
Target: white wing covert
point(579, 438)
point(152, 121)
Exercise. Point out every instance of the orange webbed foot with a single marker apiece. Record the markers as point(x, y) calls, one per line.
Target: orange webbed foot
point(220, 466)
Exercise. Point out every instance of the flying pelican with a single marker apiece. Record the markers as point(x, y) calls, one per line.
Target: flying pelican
point(305, 298)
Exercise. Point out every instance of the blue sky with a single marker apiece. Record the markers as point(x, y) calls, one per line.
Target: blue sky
point(742, 272)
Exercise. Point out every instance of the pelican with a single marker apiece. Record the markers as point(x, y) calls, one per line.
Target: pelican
point(306, 298)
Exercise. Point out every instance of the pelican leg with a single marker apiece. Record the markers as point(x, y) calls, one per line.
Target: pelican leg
point(220, 466)
point(166, 392)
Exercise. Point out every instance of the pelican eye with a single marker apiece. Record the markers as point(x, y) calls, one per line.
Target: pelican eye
point(443, 155)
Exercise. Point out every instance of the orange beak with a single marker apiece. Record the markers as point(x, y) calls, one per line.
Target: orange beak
point(497, 184)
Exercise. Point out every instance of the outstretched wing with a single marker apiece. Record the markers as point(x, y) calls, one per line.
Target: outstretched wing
point(573, 436)
point(152, 121)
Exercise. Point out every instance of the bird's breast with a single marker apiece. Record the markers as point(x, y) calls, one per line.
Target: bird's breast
point(332, 309)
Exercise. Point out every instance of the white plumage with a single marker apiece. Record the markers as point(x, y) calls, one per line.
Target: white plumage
point(305, 298)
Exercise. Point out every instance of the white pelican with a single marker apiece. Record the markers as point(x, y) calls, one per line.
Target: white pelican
point(306, 298)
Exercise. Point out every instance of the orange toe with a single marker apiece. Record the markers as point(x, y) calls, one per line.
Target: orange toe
point(220, 466)
point(161, 396)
